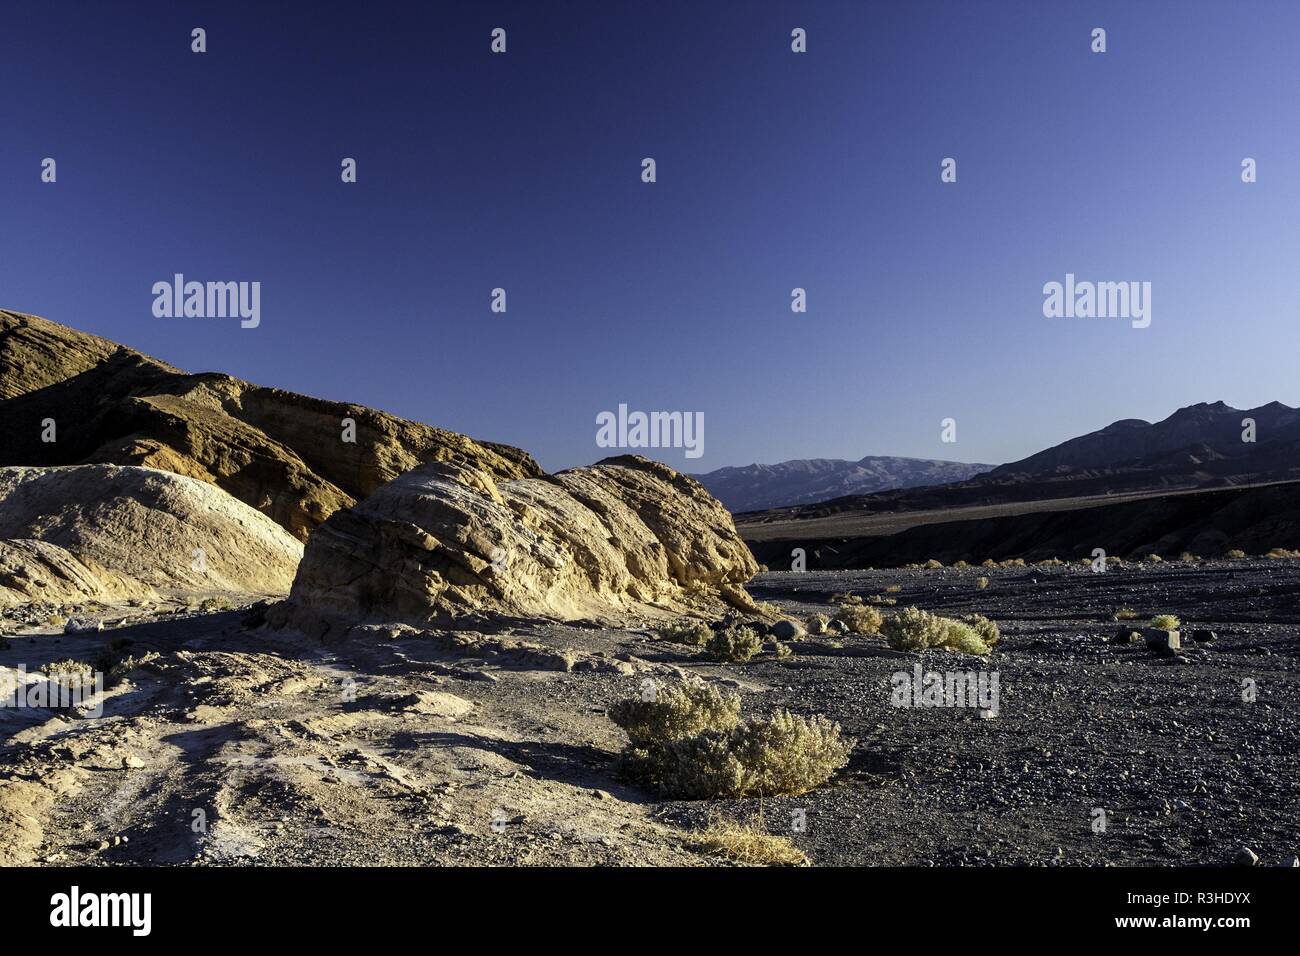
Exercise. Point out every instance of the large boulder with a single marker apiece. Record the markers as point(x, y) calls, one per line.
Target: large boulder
point(625, 540)
point(109, 533)
point(283, 453)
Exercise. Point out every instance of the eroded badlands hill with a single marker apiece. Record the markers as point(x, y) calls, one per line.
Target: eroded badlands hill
point(280, 452)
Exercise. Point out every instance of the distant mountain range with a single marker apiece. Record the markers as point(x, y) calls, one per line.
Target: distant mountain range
point(807, 480)
point(1198, 447)
point(1195, 481)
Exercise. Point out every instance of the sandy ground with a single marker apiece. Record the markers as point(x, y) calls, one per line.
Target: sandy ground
point(239, 745)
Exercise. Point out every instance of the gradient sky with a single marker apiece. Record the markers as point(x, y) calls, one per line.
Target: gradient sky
point(775, 170)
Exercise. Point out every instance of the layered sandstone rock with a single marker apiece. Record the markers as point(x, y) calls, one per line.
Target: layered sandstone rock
point(107, 533)
point(621, 541)
point(280, 452)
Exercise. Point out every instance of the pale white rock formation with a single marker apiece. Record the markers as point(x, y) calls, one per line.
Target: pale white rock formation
point(111, 533)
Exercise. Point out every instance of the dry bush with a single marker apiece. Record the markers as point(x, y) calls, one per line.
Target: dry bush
point(893, 589)
point(688, 744)
point(932, 565)
point(860, 618)
point(748, 844)
point(1236, 554)
point(1165, 622)
point(1153, 558)
point(845, 597)
point(73, 671)
point(913, 629)
point(678, 710)
point(689, 632)
point(961, 564)
point(1187, 557)
point(781, 650)
point(733, 645)
point(881, 599)
point(988, 563)
point(1125, 614)
point(982, 583)
point(1282, 553)
point(985, 629)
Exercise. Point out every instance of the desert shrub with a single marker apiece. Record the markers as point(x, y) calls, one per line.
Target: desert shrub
point(913, 629)
point(982, 583)
point(961, 564)
point(748, 844)
point(689, 744)
point(677, 711)
point(1153, 559)
point(783, 754)
point(844, 597)
point(781, 650)
point(734, 645)
point(1187, 557)
point(1013, 563)
point(860, 618)
point(689, 632)
point(817, 624)
point(1282, 553)
point(1125, 614)
point(893, 589)
point(932, 564)
point(882, 600)
point(1165, 622)
point(1236, 553)
point(985, 629)
point(988, 563)
point(69, 671)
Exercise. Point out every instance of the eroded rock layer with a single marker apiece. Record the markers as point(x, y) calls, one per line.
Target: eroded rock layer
point(109, 533)
point(280, 452)
point(623, 540)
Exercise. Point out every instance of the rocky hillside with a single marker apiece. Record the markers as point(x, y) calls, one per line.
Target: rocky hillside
point(107, 533)
point(806, 480)
point(282, 453)
point(446, 544)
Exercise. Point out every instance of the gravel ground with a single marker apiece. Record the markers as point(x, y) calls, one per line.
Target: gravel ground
point(393, 749)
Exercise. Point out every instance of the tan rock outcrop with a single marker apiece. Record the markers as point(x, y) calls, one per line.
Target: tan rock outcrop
point(280, 452)
point(108, 533)
point(625, 540)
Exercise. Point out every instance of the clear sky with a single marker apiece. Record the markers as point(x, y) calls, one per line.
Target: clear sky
point(775, 170)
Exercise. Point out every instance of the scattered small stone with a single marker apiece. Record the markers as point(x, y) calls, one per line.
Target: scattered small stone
point(1246, 857)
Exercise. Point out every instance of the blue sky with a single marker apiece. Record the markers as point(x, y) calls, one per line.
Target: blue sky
point(775, 170)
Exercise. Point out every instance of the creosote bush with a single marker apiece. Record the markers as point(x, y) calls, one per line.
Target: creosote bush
point(860, 618)
point(1165, 622)
point(688, 743)
point(817, 624)
point(913, 629)
point(734, 645)
point(676, 711)
point(689, 632)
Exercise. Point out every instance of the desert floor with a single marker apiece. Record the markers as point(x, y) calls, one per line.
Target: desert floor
point(241, 745)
